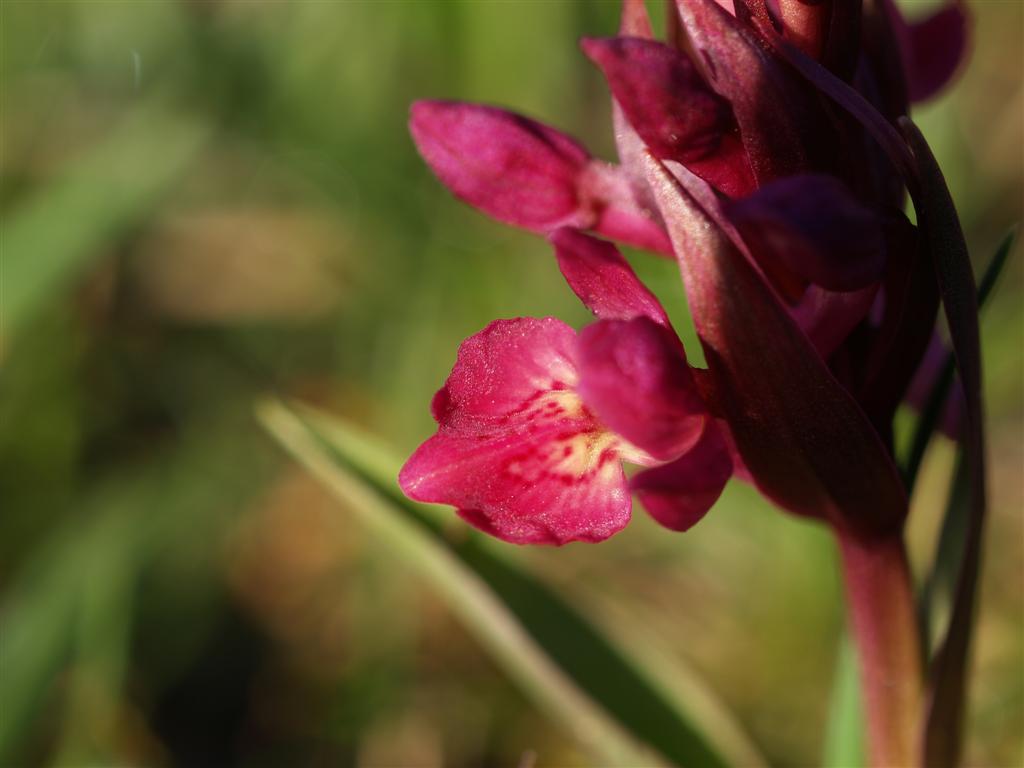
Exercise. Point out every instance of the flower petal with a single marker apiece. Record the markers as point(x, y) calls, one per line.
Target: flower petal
point(603, 279)
point(620, 209)
point(679, 494)
point(516, 451)
point(666, 100)
point(544, 487)
point(801, 434)
point(931, 49)
point(517, 170)
point(634, 377)
point(503, 369)
point(636, 221)
point(532, 176)
point(812, 227)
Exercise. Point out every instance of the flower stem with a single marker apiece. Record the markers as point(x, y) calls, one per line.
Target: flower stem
point(884, 624)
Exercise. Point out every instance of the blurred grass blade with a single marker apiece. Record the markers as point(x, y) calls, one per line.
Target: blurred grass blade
point(72, 605)
point(102, 638)
point(679, 685)
point(940, 583)
point(844, 733)
point(936, 403)
point(586, 661)
point(47, 238)
point(67, 616)
point(35, 641)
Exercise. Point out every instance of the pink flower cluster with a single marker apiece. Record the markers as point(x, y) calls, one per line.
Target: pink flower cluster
point(810, 291)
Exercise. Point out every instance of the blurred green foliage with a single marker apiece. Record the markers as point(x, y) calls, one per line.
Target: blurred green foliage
point(207, 202)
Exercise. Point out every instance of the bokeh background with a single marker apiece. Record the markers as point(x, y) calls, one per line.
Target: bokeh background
point(208, 202)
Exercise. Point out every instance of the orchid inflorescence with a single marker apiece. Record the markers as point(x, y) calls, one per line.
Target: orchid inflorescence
point(764, 145)
point(808, 286)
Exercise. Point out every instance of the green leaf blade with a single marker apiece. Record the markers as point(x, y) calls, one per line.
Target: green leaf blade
point(844, 733)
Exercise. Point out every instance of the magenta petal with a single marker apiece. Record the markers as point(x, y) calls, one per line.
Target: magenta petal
point(603, 279)
point(633, 226)
point(932, 49)
point(634, 377)
point(812, 227)
point(515, 169)
point(679, 494)
point(504, 367)
point(802, 436)
point(666, 100)
point(620, 208)
point(542, 487)
point(516, 451)
point(531, 176)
